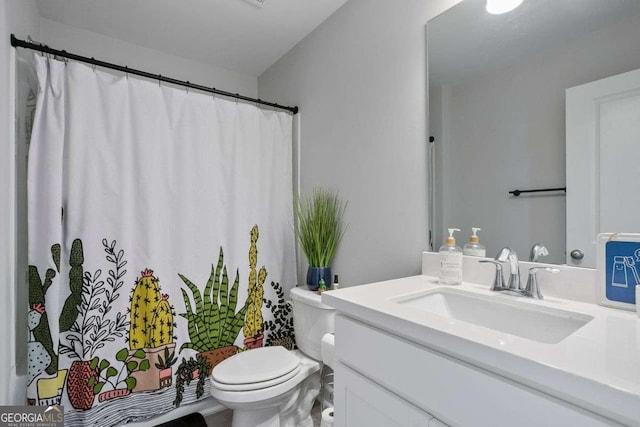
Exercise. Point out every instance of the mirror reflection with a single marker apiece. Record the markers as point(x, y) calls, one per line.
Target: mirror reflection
point(497, 86)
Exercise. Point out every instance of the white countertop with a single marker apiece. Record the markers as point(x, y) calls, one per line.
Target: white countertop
point(597, 367)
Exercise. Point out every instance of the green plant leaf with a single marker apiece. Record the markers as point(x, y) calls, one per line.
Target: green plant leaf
point(233, 295)
point(112, 372)
point(197, 297)
point(189, 345)
point(207, 293)
point(319, 225)
point(130, 382)
point(132, 365)
point(144, 365)
point(139, 354)
point(94, 363)
point(121, 355)
point(98, 387)
point(224, 296)
point(104, 364)
point(91, 381)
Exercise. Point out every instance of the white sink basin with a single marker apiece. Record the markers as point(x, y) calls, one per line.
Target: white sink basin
point(505, 314)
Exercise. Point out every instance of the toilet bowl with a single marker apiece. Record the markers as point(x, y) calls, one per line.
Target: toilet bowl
point(272, 386)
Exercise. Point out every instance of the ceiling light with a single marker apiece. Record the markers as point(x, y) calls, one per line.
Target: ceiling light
point(496, 7)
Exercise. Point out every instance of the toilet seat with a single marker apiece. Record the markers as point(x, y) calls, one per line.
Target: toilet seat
point(256, 385)
point(256, 369)
point(258, 398)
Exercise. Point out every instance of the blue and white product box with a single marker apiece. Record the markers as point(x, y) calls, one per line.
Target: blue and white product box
point(618, 269)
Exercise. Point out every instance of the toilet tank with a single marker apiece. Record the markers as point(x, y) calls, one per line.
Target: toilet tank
point(311, 320)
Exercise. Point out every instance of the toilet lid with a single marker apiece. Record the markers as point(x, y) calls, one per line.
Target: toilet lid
point(256, 366)
point(258, 385)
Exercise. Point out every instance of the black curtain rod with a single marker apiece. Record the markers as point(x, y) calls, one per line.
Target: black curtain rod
point(15, 42)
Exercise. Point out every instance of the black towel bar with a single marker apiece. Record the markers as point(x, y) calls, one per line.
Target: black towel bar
point(516, 193)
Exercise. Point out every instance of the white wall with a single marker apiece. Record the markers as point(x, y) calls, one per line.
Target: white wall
point(507, 130)
point(360, 82)
point(21, 18)
point(87, 43)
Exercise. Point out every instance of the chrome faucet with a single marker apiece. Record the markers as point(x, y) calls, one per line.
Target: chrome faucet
point(510, 255)
point(532, 290)
point(498, 282)
point(506, 254)
point(538, 250)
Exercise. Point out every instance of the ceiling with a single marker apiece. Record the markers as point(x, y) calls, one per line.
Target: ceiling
point(466, 41)
point(232, 34)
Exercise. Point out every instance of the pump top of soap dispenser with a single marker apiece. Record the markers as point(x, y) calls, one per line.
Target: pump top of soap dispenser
point(473, 247)
point(474, 237)
point(451, 241)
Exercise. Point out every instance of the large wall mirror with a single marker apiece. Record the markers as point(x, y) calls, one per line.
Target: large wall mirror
point(497, 94)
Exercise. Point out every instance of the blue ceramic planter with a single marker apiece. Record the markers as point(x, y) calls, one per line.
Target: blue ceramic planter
point(314, 274)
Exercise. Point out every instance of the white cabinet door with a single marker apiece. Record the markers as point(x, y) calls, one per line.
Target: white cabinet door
point(363, 403)
point(460, 394)
point(603, 152)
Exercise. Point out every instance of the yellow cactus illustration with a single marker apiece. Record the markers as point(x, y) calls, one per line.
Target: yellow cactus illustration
point(161, 330)
point(253, 324)
point(151, 323)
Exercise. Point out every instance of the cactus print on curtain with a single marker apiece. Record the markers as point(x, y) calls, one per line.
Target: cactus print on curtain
point(160, 242)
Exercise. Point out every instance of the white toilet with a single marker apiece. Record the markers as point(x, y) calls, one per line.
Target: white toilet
point(271, 386)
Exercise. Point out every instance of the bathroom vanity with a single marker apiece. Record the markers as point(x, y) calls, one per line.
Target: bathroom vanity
point(411, 352)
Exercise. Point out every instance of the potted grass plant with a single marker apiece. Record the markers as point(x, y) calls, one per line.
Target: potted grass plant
point(319, 229)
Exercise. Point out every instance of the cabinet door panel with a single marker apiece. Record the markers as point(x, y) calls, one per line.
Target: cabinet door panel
point(360, 402)
point(451, 390)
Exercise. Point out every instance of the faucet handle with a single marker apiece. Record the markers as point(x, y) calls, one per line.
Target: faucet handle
point(498, 282)
point(533, 289)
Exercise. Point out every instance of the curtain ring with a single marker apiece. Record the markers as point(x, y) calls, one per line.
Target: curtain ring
point(237, 96)
point(214, 93)
point(93, 65)
point(126, 72)
point(187, 86)
point(159, 80)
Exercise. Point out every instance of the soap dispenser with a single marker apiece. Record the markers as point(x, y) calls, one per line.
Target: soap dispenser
point(450, 261)
point(473, 247)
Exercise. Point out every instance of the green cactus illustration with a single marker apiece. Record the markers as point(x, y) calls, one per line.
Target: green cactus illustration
point(38, 358)
point(212, 318)
point(70, 307)
point(37, 292)
point(253, 323)
point(151, 323)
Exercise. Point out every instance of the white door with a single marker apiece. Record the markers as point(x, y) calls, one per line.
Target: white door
point(603, 162)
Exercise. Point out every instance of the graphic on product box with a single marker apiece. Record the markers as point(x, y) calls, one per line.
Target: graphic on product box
point(622, 270)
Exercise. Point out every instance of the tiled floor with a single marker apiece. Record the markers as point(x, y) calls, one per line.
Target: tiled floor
point(223, 419)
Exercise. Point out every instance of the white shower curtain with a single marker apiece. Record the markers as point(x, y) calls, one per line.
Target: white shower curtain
point(159, 224)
